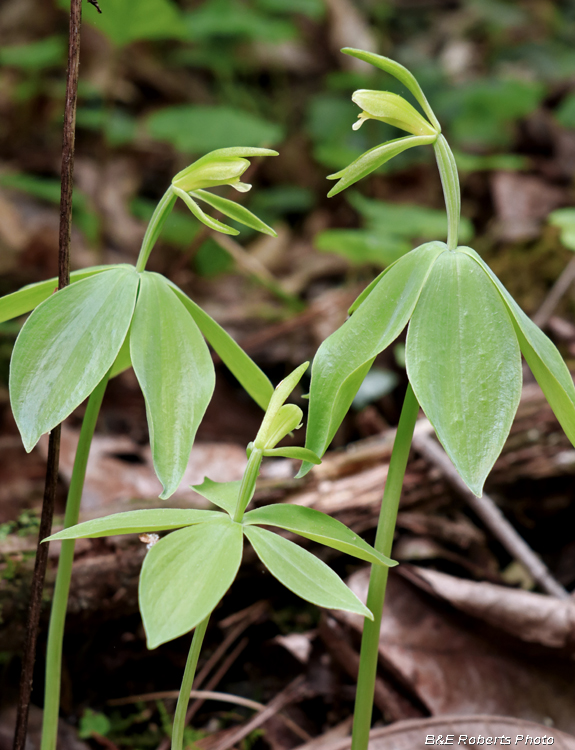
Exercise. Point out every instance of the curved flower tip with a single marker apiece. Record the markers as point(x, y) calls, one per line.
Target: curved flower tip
point(224, 166)
point(392, 109)
point(210, 171)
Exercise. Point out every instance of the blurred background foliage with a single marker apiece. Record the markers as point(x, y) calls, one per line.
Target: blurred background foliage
point(164, 81)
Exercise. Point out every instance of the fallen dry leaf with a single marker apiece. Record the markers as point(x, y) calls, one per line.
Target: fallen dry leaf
point(536, 618)
point(413, 733)
point(522, 202)
point(443, 661)
point(120, 471)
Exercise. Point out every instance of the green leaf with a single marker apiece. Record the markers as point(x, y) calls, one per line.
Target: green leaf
point(175, 371)
point(222, 494)
point(34, 56)
point(136, 522)
point(406, 220)
point(123, 361)
point(464, 364)
point(317, 526)
point(373, 159)
point(368, 290)
point(541, 355)
point(566, 112)
point(564, 218)
point(249, 375)
point(26, 299)
point(344, 358)
point(234, 211)
point(302, 572)
point(200, 215)
point(185, 575)
point(397, 71)
point(197, 129)
point(300, 454)
point(66, 347)
point(123, 22)
point(361, 246)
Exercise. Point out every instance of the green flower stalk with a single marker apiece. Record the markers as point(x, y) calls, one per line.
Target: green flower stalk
point(464, 343)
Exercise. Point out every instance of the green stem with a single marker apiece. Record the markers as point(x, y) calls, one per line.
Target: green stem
point(64, 574)
point(378, 579)
point(248, 485)
point(186, 687)
point(161, 213)
point(451, 189)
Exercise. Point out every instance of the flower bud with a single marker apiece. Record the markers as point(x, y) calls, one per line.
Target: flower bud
point(392, 109)
point(288, 418)
point(213, 170)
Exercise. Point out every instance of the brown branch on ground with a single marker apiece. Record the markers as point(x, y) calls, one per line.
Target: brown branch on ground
point(490, 514)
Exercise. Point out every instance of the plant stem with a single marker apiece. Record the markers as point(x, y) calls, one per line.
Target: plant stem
point(161, 213)
point(248, 485)
point(51, 483)
point(64, 574)
point(40, 565)
point(451, 189)
point(378, 578)
point(186, 687)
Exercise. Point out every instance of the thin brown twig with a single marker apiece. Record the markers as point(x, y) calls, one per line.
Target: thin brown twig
point(293, 692)
point(488, 512)
point(216, 678)
point(67, 177)
point(210, 695)
point(556, 292)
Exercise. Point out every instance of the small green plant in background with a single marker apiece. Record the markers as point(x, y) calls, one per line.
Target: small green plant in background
point(463, 351)
point(389, 232)
point(186, 574)
point(111, 318)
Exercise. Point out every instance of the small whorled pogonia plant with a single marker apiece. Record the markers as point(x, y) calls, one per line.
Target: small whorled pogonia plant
point(463, 350)
point(109, 318)
point(185, 574)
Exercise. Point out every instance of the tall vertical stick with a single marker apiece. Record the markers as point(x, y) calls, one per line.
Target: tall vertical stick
point(67, 180)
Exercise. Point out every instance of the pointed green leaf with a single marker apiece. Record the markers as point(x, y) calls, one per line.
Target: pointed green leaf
point(344, 358)
point(123, 361)
point(185, 575)
point(300, 454)
point(369, 289)
point(318, 527)
point(541, 355)
point(241, 151)
point(66, 347)
point(136, 522)
point(302, 572)
point(249, 375)
point(397, 71)
point(175, 371)
point(26, 299)
point(222, 494)
point(201, 216)
point(234, 211)
point(375, 158)
point(464, 364)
